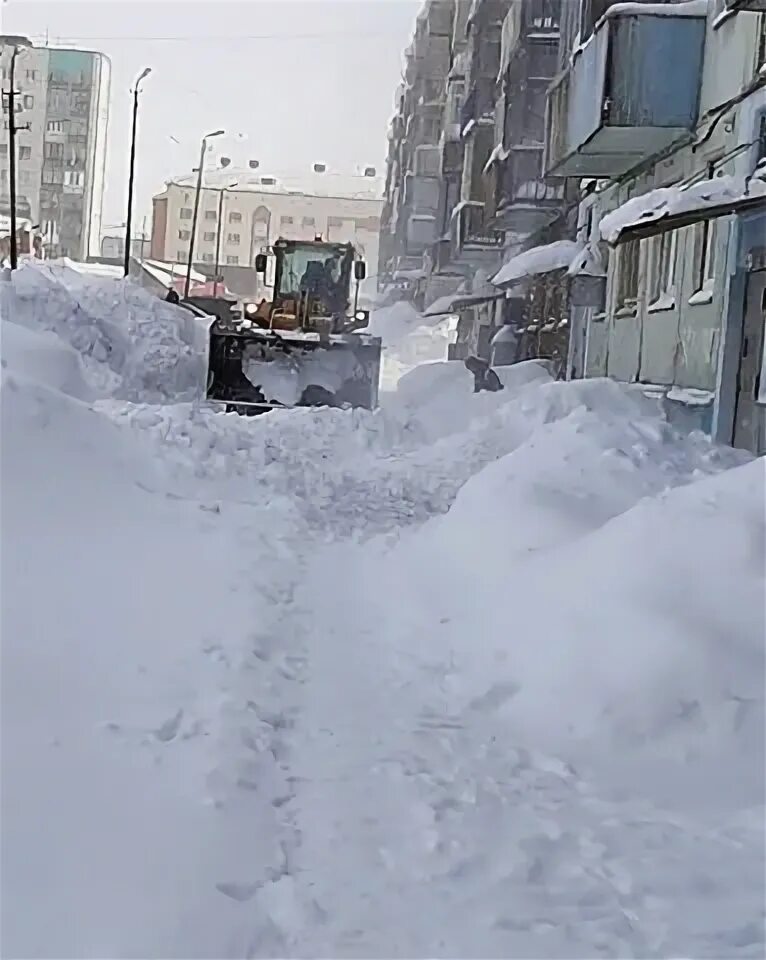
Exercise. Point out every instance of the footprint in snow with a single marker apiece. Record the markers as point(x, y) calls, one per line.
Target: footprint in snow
point(169, 729)
point(238, 891)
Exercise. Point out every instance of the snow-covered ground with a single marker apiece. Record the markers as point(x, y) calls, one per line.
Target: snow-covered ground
point(471, 675)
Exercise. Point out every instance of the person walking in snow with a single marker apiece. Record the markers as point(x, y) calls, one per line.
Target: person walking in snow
point(484, 377)
point(172, 296)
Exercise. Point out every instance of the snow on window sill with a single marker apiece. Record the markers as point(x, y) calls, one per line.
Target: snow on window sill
point(665, 301)
point(703, 295)
point(691, 396)
point(629, 308)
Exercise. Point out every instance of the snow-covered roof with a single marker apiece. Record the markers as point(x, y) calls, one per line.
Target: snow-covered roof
point(441, 306)
point(310, 184)
point(657, 205)
point(108, 270)
point(537, 260)
point(22, 225)
point(167, 272)
point(684, 8)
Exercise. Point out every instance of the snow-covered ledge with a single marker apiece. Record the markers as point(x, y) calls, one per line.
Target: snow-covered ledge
point(665, 301)
point(704, 294)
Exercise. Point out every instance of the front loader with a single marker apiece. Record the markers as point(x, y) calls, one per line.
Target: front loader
point(303, 347)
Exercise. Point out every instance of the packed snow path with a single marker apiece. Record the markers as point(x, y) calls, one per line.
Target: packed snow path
point(448, 679)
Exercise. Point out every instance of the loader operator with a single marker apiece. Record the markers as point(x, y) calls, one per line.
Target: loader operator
point(319, 281)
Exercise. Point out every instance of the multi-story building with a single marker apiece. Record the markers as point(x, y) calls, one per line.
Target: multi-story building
point(255, 209)
point(664, 108)
point(485, 198)
point(62, 113)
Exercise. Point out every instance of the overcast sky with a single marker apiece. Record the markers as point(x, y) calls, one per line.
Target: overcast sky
point(291, 81)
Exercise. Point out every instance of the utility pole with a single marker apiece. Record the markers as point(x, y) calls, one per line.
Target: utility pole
point(218, 237)
point(195, 213)
point(11, 94)
point(131, 174)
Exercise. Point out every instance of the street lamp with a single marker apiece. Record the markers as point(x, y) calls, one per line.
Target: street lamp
point(18, 43)
point(195, 214)
point(129, 218)
point(218, 237)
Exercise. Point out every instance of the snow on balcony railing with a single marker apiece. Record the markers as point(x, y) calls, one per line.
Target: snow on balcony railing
point(543, 259)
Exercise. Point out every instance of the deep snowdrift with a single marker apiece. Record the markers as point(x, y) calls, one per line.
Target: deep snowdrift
point(471, 675)
point(131, 344)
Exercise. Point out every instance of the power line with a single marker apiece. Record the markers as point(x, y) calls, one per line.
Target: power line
point(283, 37)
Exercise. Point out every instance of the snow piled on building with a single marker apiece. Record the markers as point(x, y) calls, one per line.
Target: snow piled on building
point(468, 675)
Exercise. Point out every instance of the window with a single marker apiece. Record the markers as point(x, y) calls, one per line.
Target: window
point(211, 215)
point(185, 213)
point(25, 153)
point(235, 217)
point(208, 235)
point(53, 151)
point(334, 221)
point(761, 150)
point(53, 175)
point(207, 258)
point(74, 178)
point(285, 220)
point(25, 176)
point(32, 75)
point(55, 126)
point(704, 262)
point(369, 224)
point(627, 275)
point(309, 222)
point(184, 234)
point(232, 261)
point(663, 271)
point(760, 61)
point(233, 238)
point(182, 255)
point(29, 101)
point(3, 149)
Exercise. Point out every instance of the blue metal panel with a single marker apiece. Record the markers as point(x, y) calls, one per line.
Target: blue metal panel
point(586, 91)
point(655, 70)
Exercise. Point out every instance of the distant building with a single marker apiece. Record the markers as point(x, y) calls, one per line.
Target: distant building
point(260, 209)
point(63, 96)
point(113, 247)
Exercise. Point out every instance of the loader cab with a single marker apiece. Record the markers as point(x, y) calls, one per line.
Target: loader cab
point(312, 283)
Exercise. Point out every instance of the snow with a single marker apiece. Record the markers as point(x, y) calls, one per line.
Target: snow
point(670, 8)
point(665, 301)
point(543, 259)
point(691, 396)
point(448, 678)
point(284, 378)
point(654, 205)
point(704, 294)
point(587, 262)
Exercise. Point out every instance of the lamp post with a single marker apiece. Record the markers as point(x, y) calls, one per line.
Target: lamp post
point(218, 237)
point(18, 43)
point(195, 214)
point(131, 173)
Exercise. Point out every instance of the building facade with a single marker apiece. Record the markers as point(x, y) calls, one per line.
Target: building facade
point(62, 110)
point(659, 106)
point(465, 185)
point(243, 211)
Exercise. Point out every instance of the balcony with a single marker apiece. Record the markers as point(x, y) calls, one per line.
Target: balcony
point(479, 104)
point(632, 91)
point(471, 240)
point(421, 194)
point(438, 17)
point(525, 202)
point(421, 233)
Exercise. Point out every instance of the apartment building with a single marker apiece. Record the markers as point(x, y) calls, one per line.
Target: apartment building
point(662, 113)
point(249, 210)
point(484, 199)
point(62, 112)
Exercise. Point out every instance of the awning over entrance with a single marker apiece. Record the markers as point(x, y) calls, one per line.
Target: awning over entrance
point(671, 208)
point(537, 260)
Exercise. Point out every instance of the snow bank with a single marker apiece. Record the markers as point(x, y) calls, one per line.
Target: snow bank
point(132, 344)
